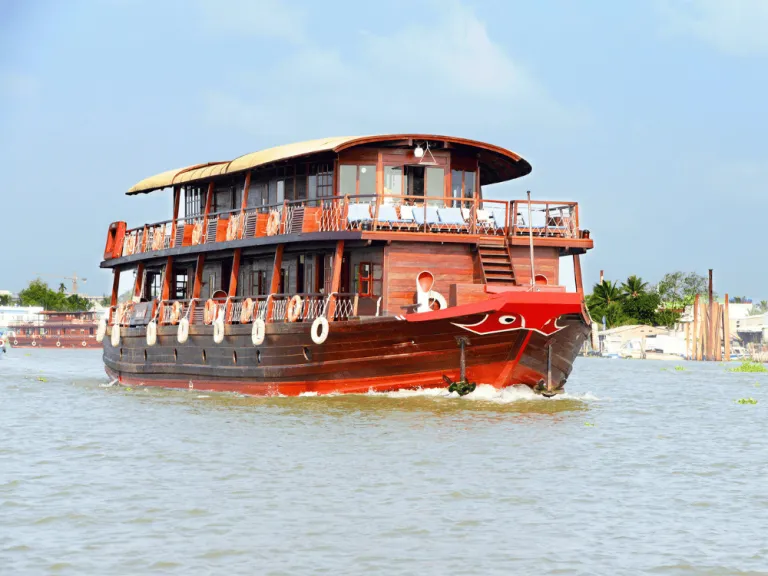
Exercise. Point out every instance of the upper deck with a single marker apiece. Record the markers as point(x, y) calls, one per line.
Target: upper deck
point(398, 187)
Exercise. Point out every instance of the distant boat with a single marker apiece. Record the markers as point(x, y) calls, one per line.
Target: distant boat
point(50, 329)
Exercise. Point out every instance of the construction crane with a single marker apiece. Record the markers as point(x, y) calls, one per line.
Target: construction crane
point(74, 279)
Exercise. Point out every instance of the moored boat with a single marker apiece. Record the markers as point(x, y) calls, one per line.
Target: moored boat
point(348, 265)
point(51, 329)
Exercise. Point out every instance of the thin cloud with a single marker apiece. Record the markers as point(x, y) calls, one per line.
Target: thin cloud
point(260, 18)
point(735, 27)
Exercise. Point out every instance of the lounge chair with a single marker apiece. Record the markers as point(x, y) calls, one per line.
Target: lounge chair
point(430, 222)
point(358, 215)
point(451, 219)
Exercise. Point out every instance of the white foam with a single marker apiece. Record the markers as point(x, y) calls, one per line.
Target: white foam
point(484, 393)
point(308, 394)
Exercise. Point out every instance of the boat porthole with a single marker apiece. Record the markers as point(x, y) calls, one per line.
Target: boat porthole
point(203, 356)
point(307, 354)
point(234, 357)
point(175, 355)
point(258, 356)
point(145, 355)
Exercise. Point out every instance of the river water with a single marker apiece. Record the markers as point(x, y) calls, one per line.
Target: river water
point(640, 468)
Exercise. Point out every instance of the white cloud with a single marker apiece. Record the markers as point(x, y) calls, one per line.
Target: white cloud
point(736, 27)
point(447, 74)
point(264, 18)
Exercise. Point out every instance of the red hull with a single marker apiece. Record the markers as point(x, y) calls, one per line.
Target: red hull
point(510, 337)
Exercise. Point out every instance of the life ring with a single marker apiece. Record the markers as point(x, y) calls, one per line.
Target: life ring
point(34, 343)
point(439, 298)
point(15, 342)
point(246, 314)
point(176, 310)
point(209, 313)
point(218, 331)
point(101, 330)
point(273, 224)
point(258, 332)
point(84, 344)
point(151, 333)
point(318, 337)
point(58, 344)
point(115, 338)
point(294, 308)
point(183, 333)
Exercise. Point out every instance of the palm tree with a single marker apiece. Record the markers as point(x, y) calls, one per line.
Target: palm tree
point(604, 294)
point(634, 286)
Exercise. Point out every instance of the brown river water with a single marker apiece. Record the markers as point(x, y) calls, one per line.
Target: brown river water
point(639, 469)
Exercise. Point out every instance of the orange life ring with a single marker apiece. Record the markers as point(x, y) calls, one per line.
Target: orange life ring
point(293, 309)
point(247, 312)
point(273, 224)
point(176, 309)
point(209, 314)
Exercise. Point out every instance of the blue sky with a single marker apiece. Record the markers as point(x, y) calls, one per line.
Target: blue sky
point(650, 113)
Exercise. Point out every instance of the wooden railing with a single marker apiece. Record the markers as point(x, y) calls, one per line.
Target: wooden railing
point(373, 213)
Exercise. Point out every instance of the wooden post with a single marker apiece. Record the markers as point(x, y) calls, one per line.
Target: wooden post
point(726, 331)
point(166, 289)
point(577, 274)
point(711, 325)
point(197, 286)
point(601, 275)
point(718, 339)
point(338, 259)
point(176, 201)
point(275, 282)
point(244, 204)
point(115, 293)
point(688, 340)
point(139, 284)
point(695, 336)
point(233, 283)
point(144, 239)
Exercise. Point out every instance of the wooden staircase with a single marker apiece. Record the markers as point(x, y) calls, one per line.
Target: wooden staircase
point(496, 263)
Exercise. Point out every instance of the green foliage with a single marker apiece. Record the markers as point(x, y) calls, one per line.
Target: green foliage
point(759, 308)
point(105, 301)
point(5, 299)
point(678, 289)
point(680, 368)
point(746, 401)
point(749, 366)
point(634, 287)
point(666, 318)
point(38, 293)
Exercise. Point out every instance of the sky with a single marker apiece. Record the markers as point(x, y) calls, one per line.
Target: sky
point(650, 113)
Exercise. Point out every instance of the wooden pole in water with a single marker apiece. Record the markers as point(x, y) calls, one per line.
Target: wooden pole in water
point(695, 347)
point(719, 332)
point(726, 331)
point(687, 340)
point(711, 325)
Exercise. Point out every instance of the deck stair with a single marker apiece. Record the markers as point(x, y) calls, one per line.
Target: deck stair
point(496, 263)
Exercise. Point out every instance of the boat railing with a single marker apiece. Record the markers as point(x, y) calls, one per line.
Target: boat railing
point(545, 218)
point(350, 305)
point(312, 306)
point(246, 309)
point(364, 213)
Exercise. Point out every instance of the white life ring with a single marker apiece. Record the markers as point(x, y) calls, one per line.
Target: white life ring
point(439, 298)
point(15, 342)
point(322, 335)
point(115, 338)
point(58, 344)
point(152, 333)
point(183, 332)
point(34, 343)
point(84, 344)
point(218, 330)
point(258, 332)
point(101, 330)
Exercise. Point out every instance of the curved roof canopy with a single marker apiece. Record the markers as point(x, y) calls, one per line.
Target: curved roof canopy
point(496, 164)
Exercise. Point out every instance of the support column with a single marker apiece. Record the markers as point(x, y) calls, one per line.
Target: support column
point(166, 293)
point(139, 283)
point(176, 201)
point(577, 274)
point(197, 286)
point(208, 203)
point(711, 325)
point(115, 294)
point(233, 283)
point(338, 258)
point(696, 354)
point(274, 285)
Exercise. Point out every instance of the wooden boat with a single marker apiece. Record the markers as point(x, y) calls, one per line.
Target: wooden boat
point(348, 265)
point(56, 330)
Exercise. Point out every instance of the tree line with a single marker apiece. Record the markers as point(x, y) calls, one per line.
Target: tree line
point(38, 293)
point(635, 301)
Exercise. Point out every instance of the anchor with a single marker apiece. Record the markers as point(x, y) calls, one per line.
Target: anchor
point(463, 386)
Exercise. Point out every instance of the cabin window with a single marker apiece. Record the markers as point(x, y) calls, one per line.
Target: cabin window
point(365, 279)
point(194, 201)
point(393, 181)
point(180, 286)
point(462, 185)
point(435, 183)
point(152, 285)
point(258, 194)
point(320, 182)
point(357, 179)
